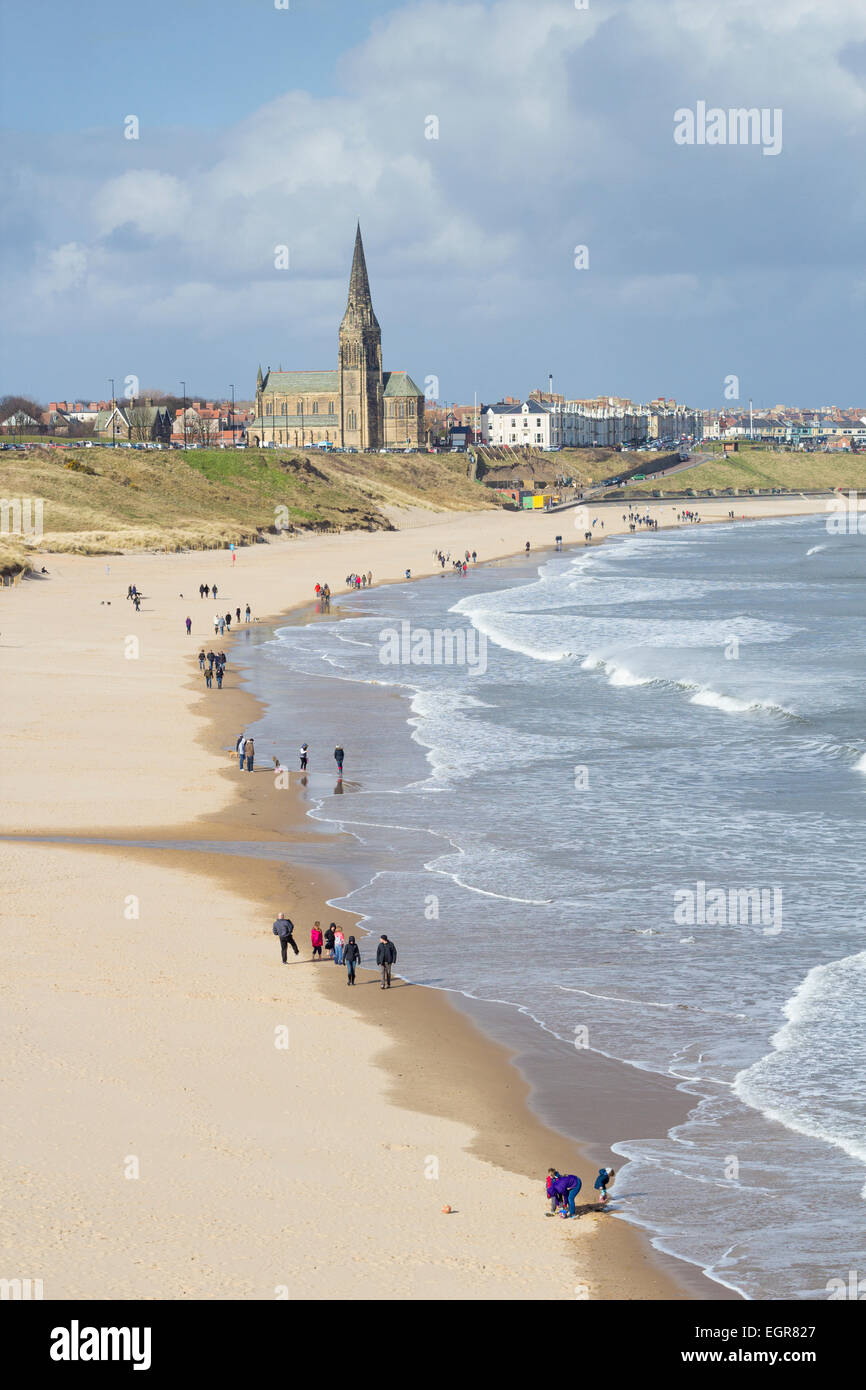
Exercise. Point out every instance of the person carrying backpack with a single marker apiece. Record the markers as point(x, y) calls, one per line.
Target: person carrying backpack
point(283, 928)
point(386, 956)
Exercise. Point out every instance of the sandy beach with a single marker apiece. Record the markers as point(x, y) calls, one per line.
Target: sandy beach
point(183, 1116)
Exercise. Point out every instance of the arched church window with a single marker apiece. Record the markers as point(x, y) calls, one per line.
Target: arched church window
point(315, 407)
point(300, 407)
point(268, 408)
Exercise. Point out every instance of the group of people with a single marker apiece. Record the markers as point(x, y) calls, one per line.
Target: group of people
point(133, 594)
point(213, 667)
point(339, 950)
point(359, 581)
point(688, 515)
point(245, 749)
point(635, 519)
point(323, 592)
point(205, 590)
point(458, 565)
point(304, 757)
point(562, 1190)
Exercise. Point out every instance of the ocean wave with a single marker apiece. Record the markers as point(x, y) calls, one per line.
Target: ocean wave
point(732, 704)
point(815, 549)
point(617, 674)
point(811, 1081)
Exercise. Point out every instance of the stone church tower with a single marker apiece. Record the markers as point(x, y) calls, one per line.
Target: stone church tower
point(360, 361)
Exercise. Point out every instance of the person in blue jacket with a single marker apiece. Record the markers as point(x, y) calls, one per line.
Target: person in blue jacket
point(605, 1175)
point(567, 1188)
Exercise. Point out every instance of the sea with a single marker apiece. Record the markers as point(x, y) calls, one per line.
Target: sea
point(618, 795)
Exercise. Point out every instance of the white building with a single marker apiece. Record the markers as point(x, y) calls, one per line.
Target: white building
point(532, 423)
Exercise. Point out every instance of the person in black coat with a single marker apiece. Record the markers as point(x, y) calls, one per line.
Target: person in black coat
point(352, 957)
point(283, 928)
point(386, 956)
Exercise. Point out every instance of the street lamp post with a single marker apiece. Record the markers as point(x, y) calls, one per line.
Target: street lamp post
point(183, 416)
point(113, 418)
point(233, 414)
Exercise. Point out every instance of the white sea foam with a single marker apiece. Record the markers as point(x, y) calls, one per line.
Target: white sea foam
point(860, 765)
point(811, 1082)
point(815, 549)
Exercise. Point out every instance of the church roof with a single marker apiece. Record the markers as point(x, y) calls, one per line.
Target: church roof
point(299, 383)
point(400, 384)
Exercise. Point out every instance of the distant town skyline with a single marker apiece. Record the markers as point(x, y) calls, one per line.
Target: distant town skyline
point(530, 196)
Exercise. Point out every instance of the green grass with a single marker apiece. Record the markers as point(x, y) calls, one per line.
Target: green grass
point(211, 497)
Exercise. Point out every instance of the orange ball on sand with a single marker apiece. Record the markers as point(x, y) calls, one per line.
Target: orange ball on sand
point(446, 1210)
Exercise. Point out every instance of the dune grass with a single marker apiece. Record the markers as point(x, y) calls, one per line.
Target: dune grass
point(103, 499)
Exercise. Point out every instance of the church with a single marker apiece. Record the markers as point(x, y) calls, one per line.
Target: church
point(356, 406)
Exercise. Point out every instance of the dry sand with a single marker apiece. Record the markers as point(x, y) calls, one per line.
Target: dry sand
point(182, 1115)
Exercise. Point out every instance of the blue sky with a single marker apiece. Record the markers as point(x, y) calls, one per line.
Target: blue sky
point(262, 127)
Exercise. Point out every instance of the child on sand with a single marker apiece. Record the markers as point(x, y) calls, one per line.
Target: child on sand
point(316, 940)
point(605, 1175)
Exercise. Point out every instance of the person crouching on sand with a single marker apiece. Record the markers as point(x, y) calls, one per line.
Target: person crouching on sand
point(316, 940)
point(568, 1187)
point(552, 1195)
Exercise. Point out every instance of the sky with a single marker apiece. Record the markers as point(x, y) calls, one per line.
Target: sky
point(531, 197)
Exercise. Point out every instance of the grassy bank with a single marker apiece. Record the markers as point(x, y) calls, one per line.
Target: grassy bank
point(103, 499)
point(756, 469)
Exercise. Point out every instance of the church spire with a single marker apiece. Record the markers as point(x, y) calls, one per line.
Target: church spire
point(359, 307)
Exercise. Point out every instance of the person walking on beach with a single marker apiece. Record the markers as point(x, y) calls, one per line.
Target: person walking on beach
point(339, 944)
point(352, 958)
point(238, 614)
point(201, 591)
point(207, 590)
point(247, 612)
point(249, 753)
point(216, 624)
point(316, 940)
point(239, 749)
point(220, 672)
point(329, 941)
point(228, 622)
point(303, 755)
point(338, 758)
point(188, 626)
point(136, 602)
point(208, 676)
point(201, 659)
point(386, 956)
point(283, 928)
point(214, 590)
point(605, 1175)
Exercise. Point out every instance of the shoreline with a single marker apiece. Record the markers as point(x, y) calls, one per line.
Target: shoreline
point(627, 1252)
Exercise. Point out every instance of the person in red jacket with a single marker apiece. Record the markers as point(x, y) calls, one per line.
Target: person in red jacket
point(316, 939)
